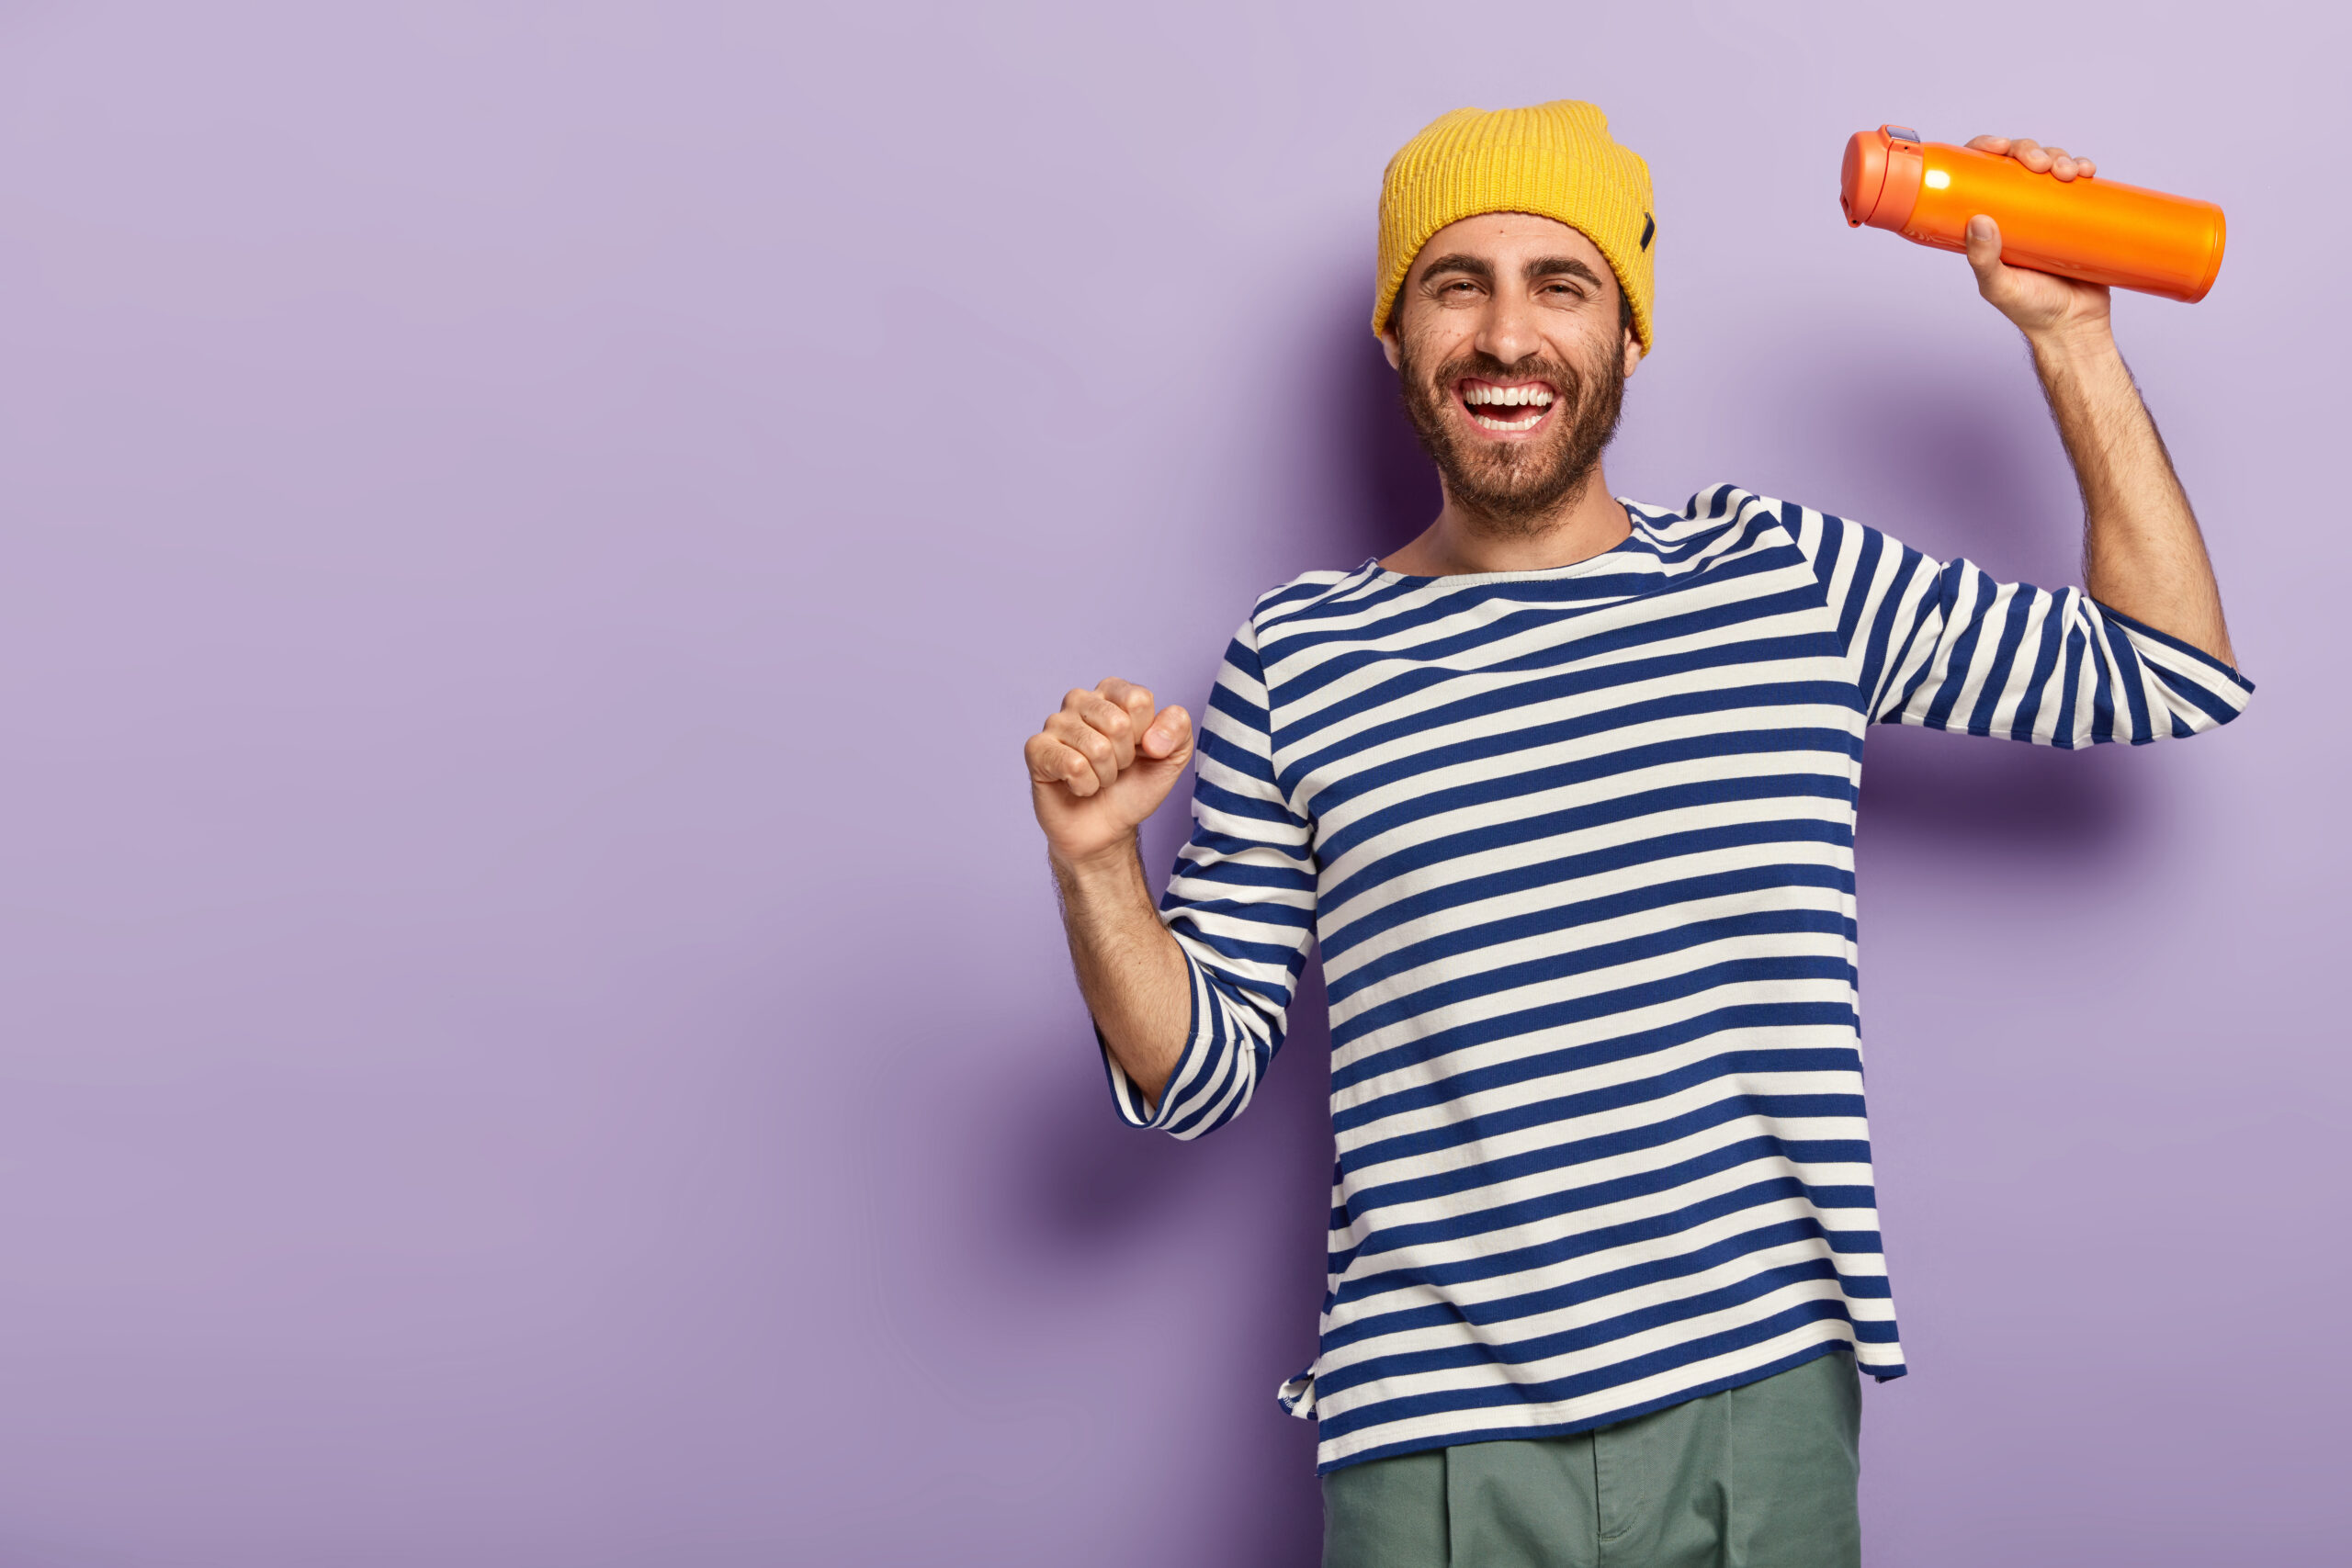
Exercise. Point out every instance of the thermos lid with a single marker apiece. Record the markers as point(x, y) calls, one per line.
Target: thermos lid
point(1863, 189)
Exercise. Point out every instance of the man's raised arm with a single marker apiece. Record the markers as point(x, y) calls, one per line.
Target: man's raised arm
point(2142, 552)
point(1096, 770)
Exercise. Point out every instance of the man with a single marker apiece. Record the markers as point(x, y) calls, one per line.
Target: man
point(1565, 790)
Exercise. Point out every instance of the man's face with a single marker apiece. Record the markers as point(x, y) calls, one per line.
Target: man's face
point(1509, 340)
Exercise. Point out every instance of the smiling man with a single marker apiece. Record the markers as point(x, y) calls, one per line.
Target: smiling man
point(1565, 790)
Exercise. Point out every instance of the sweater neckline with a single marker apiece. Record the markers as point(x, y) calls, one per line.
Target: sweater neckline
point(1636, 539)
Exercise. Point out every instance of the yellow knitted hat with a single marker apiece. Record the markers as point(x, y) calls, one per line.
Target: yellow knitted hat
point(1556, 160)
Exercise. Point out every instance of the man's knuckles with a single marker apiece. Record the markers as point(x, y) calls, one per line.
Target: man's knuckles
point(1081, 779)
point(1053, 764)
point(1077, 735)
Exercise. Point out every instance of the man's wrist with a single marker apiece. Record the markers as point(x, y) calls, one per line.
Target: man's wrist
point(1111, 866)
point(2073, 343)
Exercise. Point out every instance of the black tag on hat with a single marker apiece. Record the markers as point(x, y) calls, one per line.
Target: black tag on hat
point(1649, 227)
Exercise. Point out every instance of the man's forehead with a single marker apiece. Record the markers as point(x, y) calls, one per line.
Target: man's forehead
point(1504, 236)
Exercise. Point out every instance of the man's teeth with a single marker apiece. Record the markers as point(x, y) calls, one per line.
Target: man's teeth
point(1509, 396)
point(1536, 399)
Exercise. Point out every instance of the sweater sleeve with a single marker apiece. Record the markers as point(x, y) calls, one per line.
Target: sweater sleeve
point(1241, 906)
point(1942, 645)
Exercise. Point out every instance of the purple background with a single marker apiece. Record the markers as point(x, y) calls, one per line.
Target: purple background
point(533, 1025)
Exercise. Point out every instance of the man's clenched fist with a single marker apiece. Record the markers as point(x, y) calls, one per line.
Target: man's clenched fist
point(1101, 765)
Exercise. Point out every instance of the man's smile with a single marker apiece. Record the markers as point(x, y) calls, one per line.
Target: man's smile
point(1506, 408)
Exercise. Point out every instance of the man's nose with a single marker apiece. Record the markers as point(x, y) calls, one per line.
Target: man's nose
point(1508, 333)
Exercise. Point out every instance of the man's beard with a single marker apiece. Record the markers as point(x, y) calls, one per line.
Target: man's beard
point(1515, 485)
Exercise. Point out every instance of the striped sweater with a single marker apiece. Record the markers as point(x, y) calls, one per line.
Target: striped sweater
point(1578, 848)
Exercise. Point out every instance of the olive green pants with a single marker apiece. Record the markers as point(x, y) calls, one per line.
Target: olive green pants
point(1759, 1476)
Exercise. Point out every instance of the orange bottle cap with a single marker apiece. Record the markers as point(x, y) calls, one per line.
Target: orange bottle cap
point(1865, 191)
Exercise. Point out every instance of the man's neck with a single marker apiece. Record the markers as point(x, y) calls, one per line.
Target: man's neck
point(1460, 542)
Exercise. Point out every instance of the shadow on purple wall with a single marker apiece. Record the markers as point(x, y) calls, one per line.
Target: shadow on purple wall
point(1947, 793)
point(1090, 1188)
point(1384, 487)
point(1084, 1189)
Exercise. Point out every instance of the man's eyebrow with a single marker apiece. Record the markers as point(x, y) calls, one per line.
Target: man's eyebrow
point(1553, 266)
point(1473, 267)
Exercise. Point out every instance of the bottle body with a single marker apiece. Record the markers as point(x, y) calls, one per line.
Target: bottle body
point(2100, 231)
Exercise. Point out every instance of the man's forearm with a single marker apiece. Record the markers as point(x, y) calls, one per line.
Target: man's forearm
point(1129, 969)
point(2142, 551)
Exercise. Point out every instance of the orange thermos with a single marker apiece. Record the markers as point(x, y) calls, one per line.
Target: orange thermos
point(2096, 230)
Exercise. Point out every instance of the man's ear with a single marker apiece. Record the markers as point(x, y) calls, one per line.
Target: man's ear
point(1632, 351)
point(1388, 348)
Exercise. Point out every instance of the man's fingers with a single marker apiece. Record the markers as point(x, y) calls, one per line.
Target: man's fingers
point(1115, 725)
point(1130, 697)
point(2041, 160)
point(1050, 761)
point(1092, 707)
point(1089, 742)
point(1171, 732)
point(1984, 238)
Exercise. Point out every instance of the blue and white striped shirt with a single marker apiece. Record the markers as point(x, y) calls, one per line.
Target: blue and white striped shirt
point(1578, 846)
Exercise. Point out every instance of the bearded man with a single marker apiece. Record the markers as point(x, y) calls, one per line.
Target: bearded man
point(1564, 790)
